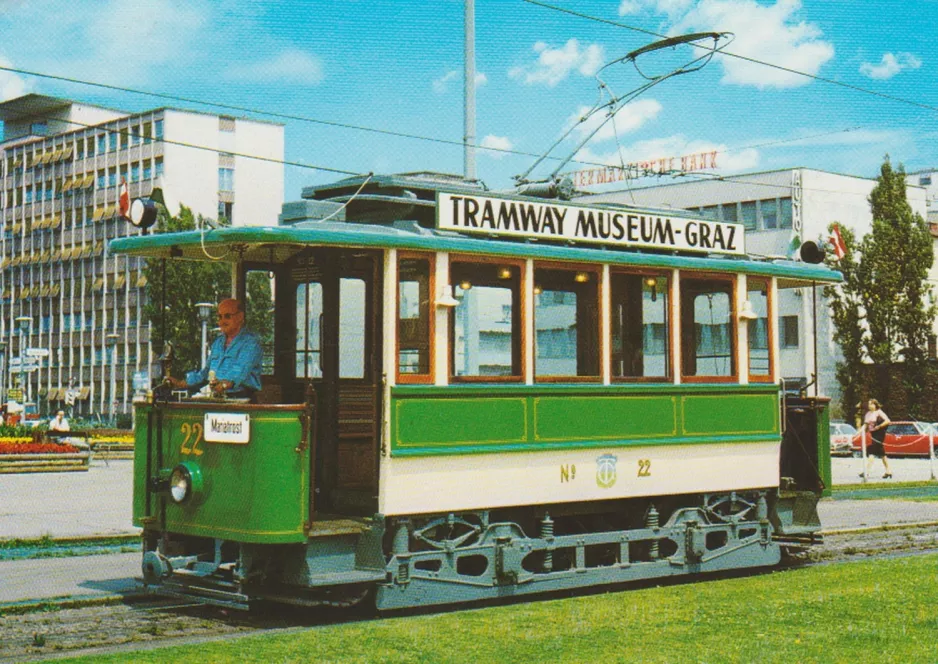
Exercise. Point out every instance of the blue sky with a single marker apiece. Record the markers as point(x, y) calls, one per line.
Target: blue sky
point(397, 66)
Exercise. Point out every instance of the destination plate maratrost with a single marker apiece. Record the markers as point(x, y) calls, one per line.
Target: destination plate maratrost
point(227, 428)
point(547, 220)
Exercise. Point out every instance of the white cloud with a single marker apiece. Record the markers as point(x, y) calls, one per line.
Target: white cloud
point(890, 65)
point(441, 84)
point(556, 64)
point(113, 41)
point(291, 65)
point(11, 85)
point(771, 33)
point(629, 118)
point(497, 144)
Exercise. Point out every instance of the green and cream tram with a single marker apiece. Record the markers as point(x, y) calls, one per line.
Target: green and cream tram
point(473, 395)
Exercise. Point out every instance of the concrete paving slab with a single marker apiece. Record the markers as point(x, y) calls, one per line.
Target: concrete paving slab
point(96, 502)
point(846, 470)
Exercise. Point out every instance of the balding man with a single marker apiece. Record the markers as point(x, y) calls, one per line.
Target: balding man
point(234, 362)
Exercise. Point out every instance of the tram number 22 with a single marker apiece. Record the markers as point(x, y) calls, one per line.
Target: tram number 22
point(644, 467)
point(193, 435)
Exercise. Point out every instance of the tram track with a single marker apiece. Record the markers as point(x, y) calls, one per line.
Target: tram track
point(50, 629)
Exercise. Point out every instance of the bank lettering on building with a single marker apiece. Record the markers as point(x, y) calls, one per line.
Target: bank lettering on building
point(569, 223)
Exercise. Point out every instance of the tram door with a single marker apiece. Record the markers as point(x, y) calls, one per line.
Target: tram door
point(337, 322)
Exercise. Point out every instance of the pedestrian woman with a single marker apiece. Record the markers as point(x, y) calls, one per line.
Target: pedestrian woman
point(875, 422)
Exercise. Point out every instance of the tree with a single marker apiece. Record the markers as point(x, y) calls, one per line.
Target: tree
point(883, 310)
point(187, 283)
point(846, 307)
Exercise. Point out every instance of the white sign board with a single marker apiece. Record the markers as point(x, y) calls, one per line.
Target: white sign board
point(631, 228)
point(37, 352)
point(227, 428)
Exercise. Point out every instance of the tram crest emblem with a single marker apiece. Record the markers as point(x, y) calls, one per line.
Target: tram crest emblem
point(606, 471)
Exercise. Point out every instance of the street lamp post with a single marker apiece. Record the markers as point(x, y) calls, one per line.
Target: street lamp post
point(23, 323)
point(3, 383)
point(111, 341)
point(205, 312)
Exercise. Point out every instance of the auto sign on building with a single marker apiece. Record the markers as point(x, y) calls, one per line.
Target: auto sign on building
point(568, 223)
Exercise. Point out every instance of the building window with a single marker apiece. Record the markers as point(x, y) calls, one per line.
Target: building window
point(748, 210)
point(135, 172)
point(102, 143)
point(226, 211)
point(414, 320)
point(566, 323)
point(158, 125)
point(768, 209)
point(147, 132)
point(728, 212)
point(640, 331)
point(112, 141)
point(135, 135)
point(112, 177)
point(158, 166)
point(484, 345)
point(225, 179)
point(707, 338)
point(924, 180)
point(39, 128)
point(789, 332)
point(710, 212)
point(784, 213)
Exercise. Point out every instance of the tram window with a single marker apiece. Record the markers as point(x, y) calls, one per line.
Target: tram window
point(413, 317)
point(259, 310)
point(486, 343)
point(760, 357)
point(707, 336)
point(640, 330)
point(352, 299)
point(309, 330)
point(566, 323)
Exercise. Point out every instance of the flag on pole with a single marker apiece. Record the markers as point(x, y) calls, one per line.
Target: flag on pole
point(124, 200)
point(837, 242)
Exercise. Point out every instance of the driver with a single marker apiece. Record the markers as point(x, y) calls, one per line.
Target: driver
point(234, 362)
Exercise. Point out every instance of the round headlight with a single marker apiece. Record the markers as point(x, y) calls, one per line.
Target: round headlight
point(180, 484)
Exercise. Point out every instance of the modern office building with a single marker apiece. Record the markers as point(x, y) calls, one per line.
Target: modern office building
point(777, 207)
point(928, 180)
point(71, 317)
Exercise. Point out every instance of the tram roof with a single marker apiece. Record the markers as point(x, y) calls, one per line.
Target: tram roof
point(262, 244)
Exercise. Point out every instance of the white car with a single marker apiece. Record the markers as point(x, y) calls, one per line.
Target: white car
point(842, 438)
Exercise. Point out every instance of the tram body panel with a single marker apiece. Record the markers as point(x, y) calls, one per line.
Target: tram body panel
point(253, 491)
point(491, 481)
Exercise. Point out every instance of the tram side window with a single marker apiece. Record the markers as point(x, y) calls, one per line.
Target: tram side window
point(259, 306)
point(309, 330)
point(566, 323)
point(413, 317)
point(486, 324)
point(707, 335)
point(760, 357)
point(640, 330)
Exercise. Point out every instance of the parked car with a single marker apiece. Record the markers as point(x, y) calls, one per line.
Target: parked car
point(842, 438)
point(903, 439)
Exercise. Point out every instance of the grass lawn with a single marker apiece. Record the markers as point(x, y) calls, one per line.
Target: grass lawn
point(914, 491)
point(876, 611)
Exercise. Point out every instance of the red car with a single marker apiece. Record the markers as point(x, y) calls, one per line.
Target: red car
point(903, 439)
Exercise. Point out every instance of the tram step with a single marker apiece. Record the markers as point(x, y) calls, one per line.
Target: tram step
point(345, 578)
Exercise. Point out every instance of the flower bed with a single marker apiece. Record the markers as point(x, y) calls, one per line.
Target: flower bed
point(31, 454)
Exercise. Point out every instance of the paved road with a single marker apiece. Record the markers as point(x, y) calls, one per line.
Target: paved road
point(81, 577)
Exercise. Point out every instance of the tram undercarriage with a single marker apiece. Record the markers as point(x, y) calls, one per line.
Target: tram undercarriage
point(450, 559)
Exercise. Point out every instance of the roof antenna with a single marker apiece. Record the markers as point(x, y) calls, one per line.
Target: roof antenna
point(559, 186)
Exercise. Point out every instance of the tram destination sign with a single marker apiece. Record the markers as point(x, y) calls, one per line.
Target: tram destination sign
point(569, 223)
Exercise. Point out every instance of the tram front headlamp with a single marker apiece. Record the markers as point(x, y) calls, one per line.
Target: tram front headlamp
point(184, 482)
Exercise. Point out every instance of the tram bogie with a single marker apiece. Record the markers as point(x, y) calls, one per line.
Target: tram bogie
point(449, 418)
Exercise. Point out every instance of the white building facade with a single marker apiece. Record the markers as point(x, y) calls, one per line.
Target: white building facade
point(61, 165)
point(777, 207)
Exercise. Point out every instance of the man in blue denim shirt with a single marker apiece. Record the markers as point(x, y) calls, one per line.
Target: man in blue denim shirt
point(234, 363)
